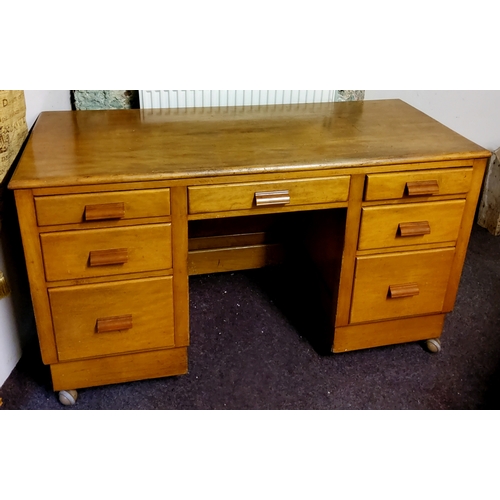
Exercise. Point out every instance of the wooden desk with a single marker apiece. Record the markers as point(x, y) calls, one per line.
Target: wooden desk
point(117, 208)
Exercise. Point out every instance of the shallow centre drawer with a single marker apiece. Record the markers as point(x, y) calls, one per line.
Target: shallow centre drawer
point(110, 318)
point(437, 182)
point(399, 285)
point(246, 196)
point(410, 224)
point(104, 252)
point(119, 205)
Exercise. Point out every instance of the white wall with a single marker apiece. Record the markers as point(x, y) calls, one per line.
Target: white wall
point(12, 334)
point(16, 321)
point(475, 114)
point(45, 100)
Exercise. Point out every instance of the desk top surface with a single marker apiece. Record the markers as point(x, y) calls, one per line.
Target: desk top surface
point(95, 147)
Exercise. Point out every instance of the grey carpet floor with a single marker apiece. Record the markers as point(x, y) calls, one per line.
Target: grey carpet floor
point(250, 351)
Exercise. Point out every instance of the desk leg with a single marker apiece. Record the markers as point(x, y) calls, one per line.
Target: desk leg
point(350, 247)
point(180, 263)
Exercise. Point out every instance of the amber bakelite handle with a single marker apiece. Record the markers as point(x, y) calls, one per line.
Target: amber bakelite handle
point(104, 211)
point(422, 188)
point(265, 198)
point(108, 257)
point(403, 290)
point(414, 228)
point(114, 323)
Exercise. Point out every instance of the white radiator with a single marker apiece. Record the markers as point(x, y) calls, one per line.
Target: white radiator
point(179, 99)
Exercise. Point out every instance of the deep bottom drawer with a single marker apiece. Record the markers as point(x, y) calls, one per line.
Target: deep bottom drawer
point(399, 285)
point(112, 318)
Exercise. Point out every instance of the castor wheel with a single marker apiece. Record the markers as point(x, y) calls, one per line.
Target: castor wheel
point(68, 398)
point(433, 345)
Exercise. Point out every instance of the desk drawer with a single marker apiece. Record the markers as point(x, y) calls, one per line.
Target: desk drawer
point(418, 183)
point(410, 224)
point(246, 196)
point(112, 318)
point(399, 285)
point(105, 252)
point(76, 208)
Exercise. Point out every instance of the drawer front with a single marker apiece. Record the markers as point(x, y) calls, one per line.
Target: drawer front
point(410, 224)
point(76, 208)
point(400, 285)
point(102, 319)
point(246, 196)
point(105, 252)
point(421, 183)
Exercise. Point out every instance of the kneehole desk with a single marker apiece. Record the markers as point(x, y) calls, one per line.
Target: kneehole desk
point(373, 200)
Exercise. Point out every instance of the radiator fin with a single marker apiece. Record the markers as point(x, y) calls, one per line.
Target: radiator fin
point(180, 99)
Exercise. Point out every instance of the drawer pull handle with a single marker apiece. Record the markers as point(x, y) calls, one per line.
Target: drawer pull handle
point(414, 228)
point(114, 323)
point(403, 290)
point(105, 211)
point(265, 198)
point(422, 188)
point(108, 257)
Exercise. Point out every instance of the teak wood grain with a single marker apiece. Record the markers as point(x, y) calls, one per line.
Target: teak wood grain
point(233, 240)
point(395, 185)
point(422, 188)
point(464, 234)
point(75, 208)
point(80, 311)
point(114, 323)
point(119, 368)
point(77, 148)
point(409, 229)
point(349, 253)
point(225, 197)
point(403, 290)
point(108, 257)
point(234, 259)
point(104, 211)
point(432, 222)
point(374, 200)
point(180, 263)
point(102, 252)
point(367, 335)
point(428, 271)
point(36, 275)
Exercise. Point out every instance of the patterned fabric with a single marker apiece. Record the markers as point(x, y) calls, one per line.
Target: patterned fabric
point(13, 127)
